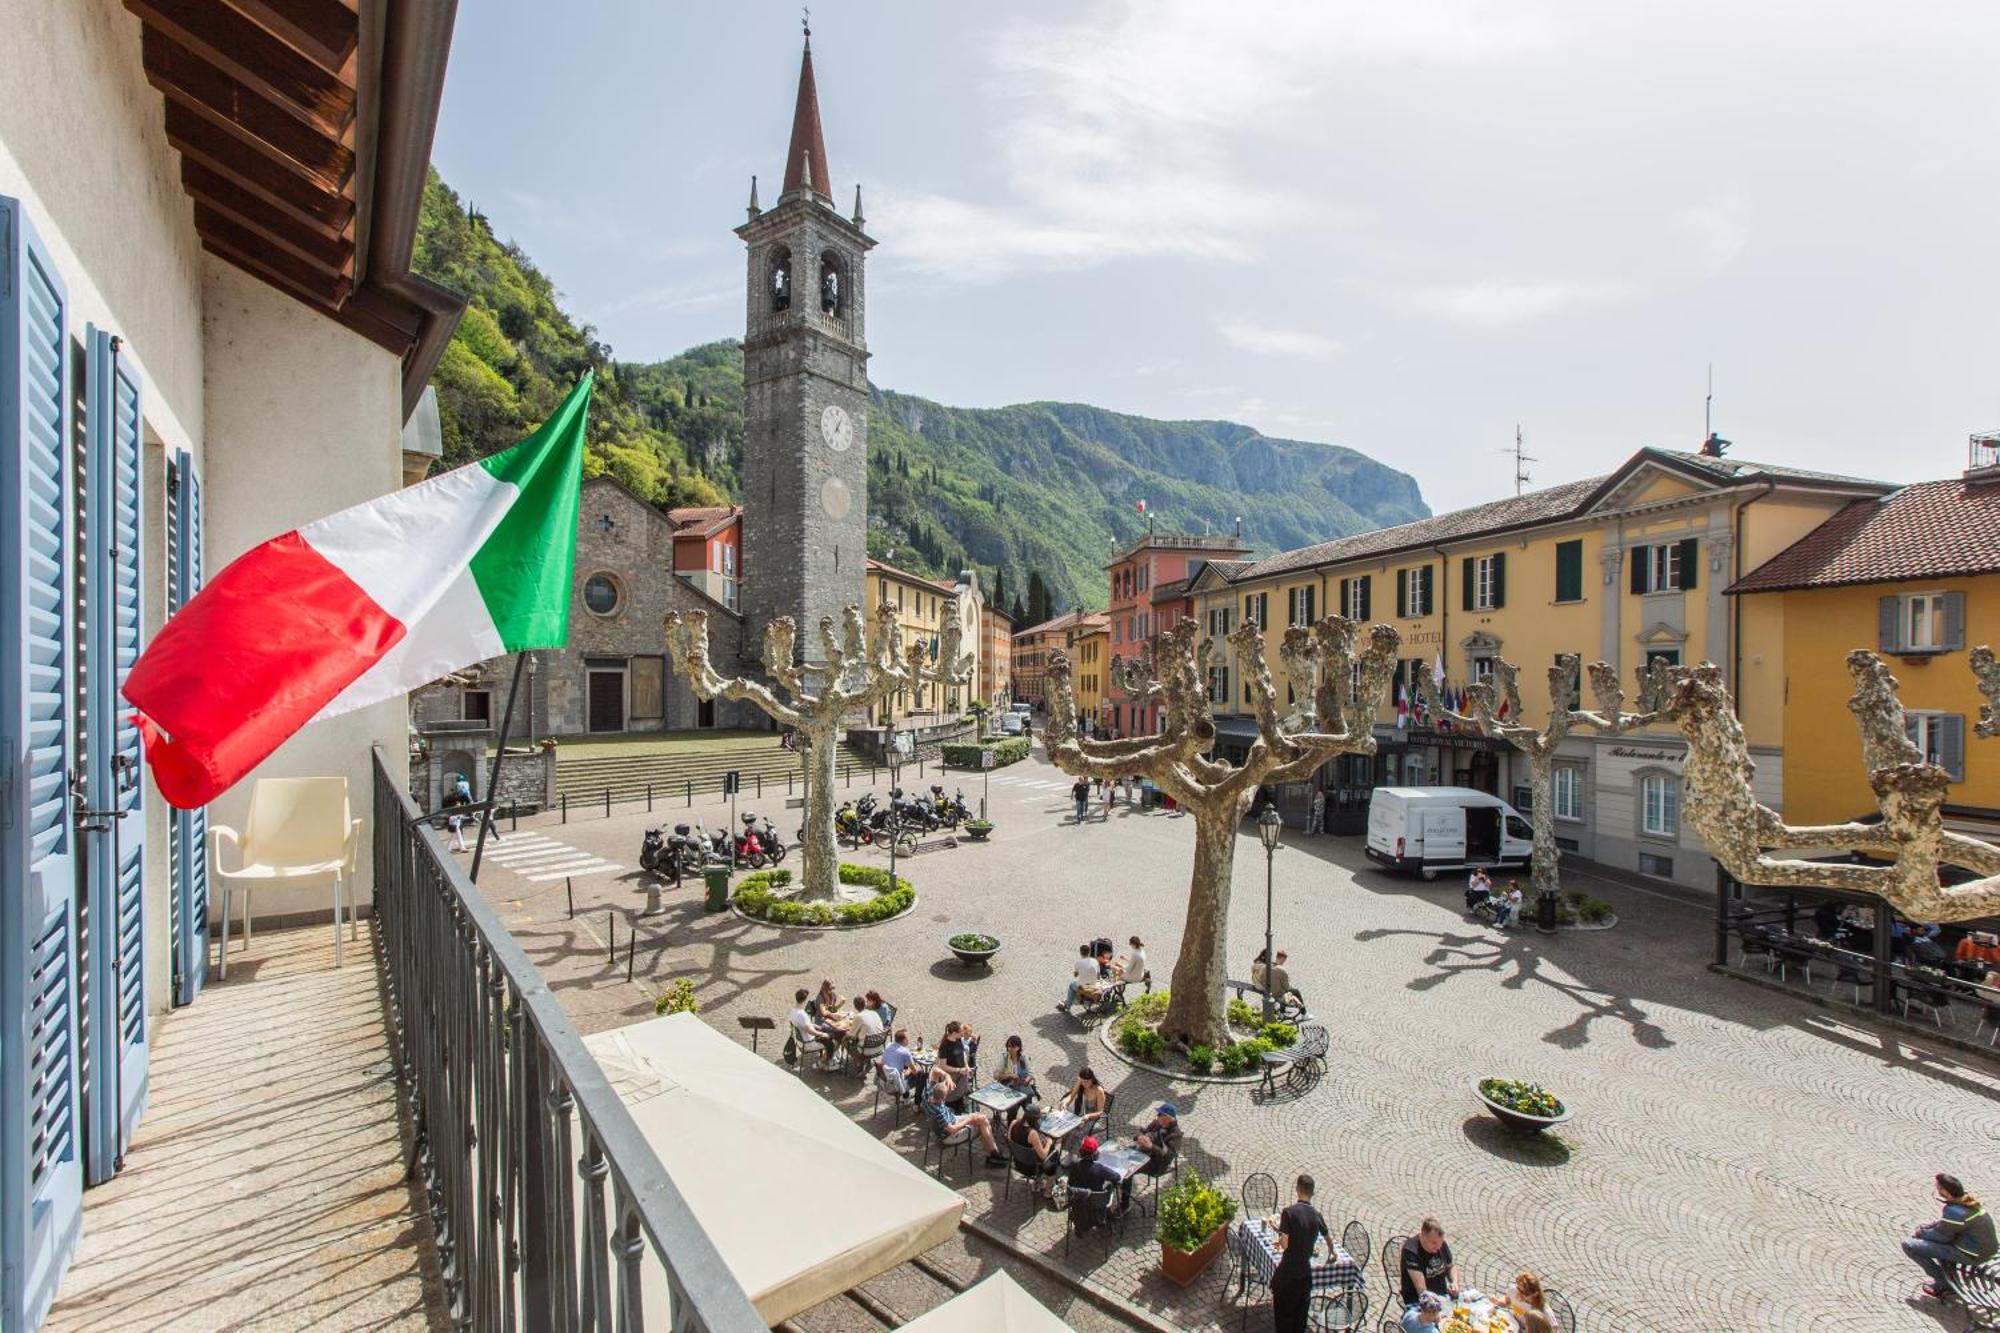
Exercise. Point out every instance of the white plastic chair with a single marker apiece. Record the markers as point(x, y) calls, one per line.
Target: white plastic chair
point(299, 828)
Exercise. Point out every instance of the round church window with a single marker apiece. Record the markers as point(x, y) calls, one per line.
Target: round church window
point(600, 594)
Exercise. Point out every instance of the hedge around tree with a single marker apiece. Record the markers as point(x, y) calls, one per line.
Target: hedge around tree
point(755, 897)
point(1007, 750)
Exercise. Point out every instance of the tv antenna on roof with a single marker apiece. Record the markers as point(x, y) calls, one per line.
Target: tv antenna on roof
point(1521, 461)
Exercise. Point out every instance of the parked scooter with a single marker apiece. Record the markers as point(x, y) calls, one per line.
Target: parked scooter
point(953, 812)
point(767, 837)
point(749, 849)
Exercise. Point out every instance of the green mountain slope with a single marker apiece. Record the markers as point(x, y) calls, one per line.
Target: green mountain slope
point(1036, 495)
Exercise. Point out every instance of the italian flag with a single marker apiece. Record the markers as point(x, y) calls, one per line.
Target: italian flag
point(362, 606)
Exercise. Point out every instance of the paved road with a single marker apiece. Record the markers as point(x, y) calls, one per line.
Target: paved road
point(1740, 1160)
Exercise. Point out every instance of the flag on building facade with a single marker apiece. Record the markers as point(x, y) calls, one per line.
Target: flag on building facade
point(1402, 707)
point(362, 606)
point(1142, 506)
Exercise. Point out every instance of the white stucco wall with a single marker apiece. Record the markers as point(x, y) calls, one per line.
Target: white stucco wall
point(303, 419)
point(83, 145)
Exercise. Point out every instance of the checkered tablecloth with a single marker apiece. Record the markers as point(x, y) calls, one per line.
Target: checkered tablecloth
point(1255, 1242)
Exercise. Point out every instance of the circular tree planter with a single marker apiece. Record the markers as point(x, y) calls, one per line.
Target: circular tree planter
point(1518, 1120)
point(761, 897)
point(979, 830)
point(973, 949)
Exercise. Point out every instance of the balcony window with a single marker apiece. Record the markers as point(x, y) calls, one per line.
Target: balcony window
point(1660, 805)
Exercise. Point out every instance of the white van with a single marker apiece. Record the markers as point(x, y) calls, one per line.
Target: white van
point(1428, 829)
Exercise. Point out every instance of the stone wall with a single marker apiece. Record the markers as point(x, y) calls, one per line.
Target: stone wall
point(874, 741)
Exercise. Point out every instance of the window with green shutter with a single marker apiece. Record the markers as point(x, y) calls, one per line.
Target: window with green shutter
point(1569, 571)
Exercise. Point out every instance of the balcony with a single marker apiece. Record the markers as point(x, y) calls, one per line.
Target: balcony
point(417, 1144)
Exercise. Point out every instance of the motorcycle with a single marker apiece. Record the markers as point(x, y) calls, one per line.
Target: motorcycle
point(850, 823)
point(749, 850)
point(655, 857)
point(768, 840)
point(953, 812)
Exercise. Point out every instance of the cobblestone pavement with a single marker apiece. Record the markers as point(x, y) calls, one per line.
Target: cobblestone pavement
point(1739, 1159)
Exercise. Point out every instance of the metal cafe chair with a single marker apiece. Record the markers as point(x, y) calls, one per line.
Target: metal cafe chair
point(1561, 1313)
point(1339, 1311)
point(1354, 1239)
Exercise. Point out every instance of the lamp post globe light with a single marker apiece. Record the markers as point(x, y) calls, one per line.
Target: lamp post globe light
point(1270, 827)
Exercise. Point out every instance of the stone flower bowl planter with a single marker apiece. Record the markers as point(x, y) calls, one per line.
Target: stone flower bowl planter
point(979, 830)
point(1522, 1122)
point(973, 949)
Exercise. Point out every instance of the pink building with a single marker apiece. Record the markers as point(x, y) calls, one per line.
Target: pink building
point(1149, 582)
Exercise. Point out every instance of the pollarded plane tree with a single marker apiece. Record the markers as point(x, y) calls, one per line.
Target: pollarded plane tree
point(1493, 708)
point(1910, 839)
point(849, 677)
point(1340, 691)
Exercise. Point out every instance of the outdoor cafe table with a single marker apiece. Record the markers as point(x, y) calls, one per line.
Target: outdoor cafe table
point(1254, 1242)
point(1060, 1124)
point(998, 1098)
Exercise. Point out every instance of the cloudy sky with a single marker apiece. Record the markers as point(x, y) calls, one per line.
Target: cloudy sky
point(1400, 225)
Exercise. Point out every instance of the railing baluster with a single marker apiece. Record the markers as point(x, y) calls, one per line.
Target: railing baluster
point(596, 1239)
point(631, 1248)
point(493, 1074)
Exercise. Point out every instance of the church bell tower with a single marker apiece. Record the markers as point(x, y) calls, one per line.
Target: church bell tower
point(805, 394)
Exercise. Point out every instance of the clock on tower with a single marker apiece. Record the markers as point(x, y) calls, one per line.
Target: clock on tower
point(805, 395)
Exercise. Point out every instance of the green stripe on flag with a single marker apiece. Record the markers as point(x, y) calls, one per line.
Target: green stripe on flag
point(524, 569)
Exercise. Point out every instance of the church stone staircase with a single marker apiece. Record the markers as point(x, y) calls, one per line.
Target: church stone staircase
point(670, 764)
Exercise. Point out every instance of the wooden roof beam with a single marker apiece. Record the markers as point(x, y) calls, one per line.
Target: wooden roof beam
point(233, 196)
point(185, 78)
point(299, 279)
point(335, 258)
point(256, 58)
point(201, 140)
point(323, 31)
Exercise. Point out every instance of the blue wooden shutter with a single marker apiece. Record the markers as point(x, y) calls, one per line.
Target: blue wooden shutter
point(1951, 745)
point(188, 853)
point(1954, 622)
point(41, 1169)
point(1889, 624)
point(115, 833)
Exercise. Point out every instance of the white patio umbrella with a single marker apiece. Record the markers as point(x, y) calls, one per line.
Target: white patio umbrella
point(801, 1202)
point(997, 1305)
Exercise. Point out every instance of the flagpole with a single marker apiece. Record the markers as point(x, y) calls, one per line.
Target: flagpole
point(493, 776)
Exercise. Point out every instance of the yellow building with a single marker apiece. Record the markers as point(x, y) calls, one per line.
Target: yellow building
point(1619, 568)
point(1914, 575)
point(1090, 658)
point(925, 607)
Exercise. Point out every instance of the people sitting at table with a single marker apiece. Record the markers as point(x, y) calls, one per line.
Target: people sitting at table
point(950, 1122)
point(1478, 888)
point(958, 1056)
point(1299, 1228)
point(1090, 1174)
point(882, 1008)
point(1427, 1269)
point(1526, 1295)
point(1510, 905)
point(897, 1064)
point(807, 1030)
point(866, 1026)
point(1035, 1154)
point(1083, 976)
point(1106, 969)
point(825, 1010)
point(1014, 1072)
point(1132, 966)
point(1160, 1140)
point(1085, 1098)
point(1428, 1313)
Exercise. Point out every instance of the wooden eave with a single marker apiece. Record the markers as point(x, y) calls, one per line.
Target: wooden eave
point(304, 130)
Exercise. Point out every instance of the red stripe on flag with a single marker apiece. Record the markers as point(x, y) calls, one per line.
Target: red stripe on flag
point(267, 644)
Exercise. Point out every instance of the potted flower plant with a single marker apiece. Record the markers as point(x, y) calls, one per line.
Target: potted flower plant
point(972, 947)
point(978, 829)
point(1192, 1225)
point(1527, 1107)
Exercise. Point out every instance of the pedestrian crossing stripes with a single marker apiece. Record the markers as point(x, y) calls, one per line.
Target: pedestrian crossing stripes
point(538, 858)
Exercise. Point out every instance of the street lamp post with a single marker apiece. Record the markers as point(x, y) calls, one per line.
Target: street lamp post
point(1270, 826)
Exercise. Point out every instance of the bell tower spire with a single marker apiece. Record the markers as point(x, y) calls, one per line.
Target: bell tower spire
point(805, 159)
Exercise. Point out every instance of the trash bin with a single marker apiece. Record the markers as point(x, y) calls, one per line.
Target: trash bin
point(718, 887)
point(1545, 911)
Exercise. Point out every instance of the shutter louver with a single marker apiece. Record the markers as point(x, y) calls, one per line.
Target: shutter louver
point(1402, 594)
point(1366, 610)
point(39, 1134)
point(1690, 563)
point(1471, 575)
point(1954, 622)
point(1951, 745)
point(1499, 580)
point(1889, 624)
point(1641, 567)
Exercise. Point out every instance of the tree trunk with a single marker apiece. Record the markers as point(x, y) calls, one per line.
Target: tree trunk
point(1546, 873)
point(1196, 1014)
point(819, 871)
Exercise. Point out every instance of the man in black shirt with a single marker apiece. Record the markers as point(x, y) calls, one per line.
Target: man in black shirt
point(1426, 1266)
point(1087, 1173)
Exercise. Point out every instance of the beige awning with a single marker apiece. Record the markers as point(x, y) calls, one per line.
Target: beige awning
point(997, 1305)
point(801, 1202)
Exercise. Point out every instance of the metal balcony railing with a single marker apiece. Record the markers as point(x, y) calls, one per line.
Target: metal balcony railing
point(511, 1126)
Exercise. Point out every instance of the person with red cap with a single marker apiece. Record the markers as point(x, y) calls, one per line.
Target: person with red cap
point(1089, 1175)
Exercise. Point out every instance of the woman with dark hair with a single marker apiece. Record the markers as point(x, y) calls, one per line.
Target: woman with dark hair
point(1014, 1072)
point(1085, 1098)
point(1035, 1154)
point(1299, 1229)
